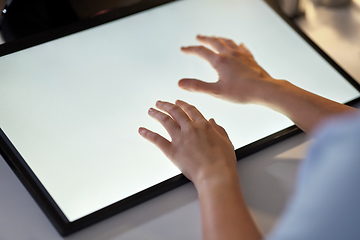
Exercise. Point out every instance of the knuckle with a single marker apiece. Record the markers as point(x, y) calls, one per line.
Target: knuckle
point(206, 124)
point(190, 128)
point(151, 136)
point(165, 119)
point(190, 107)
point(173, 108)
point(236, 54)
point(202, 126)
point(202, 48)
point(156, 139)
point(221, 44)
point(195, 85)
point(217, 91)
point(217, 41)
point(221, 59)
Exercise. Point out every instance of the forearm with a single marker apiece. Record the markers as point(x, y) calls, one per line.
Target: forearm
point(223, 209)
point(305, 109)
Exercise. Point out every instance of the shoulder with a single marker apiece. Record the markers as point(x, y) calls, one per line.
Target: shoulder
point(347, 126)
point(336, 147)
point(325, 204)
point(337, 142)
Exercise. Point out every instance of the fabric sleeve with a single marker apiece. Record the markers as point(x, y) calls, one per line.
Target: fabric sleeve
point(326, 202)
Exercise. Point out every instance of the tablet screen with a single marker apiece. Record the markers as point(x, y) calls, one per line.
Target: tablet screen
point(72, 106)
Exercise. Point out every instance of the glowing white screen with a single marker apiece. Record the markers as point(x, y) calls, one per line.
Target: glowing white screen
point(72, 107)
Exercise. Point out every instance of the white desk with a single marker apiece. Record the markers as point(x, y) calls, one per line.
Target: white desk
point(267, 177)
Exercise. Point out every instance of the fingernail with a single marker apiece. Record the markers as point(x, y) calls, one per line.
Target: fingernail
point(159, 104)
point(182, 86)
point(182, 83)
point(151, 110)
point(142, 130)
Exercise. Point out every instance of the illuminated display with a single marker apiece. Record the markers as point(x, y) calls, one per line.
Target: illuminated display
point(72, 107)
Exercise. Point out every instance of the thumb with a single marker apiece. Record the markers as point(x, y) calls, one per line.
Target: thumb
point(196, 85)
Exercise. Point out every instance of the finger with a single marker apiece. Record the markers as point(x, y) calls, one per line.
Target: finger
point(168, 123)
point(190, 110)
point(155, 138)
point(202, 52)
point(215, 43)
point(230, 43)
point(219, 129)
point(245, 51)
point(195, 85)
point(174, 111)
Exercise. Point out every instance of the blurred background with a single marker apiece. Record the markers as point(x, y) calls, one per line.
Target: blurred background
point(333, 24)
point(21, 18)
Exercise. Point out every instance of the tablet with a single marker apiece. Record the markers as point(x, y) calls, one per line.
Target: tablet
point(71, 104)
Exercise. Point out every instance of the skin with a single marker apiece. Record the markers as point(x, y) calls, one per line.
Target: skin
point(242, 80)
point(202, 150)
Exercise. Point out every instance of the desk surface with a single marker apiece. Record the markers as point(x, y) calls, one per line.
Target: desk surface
point(267, 177)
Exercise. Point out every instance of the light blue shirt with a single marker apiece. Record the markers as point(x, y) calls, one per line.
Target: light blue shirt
point(326, 202)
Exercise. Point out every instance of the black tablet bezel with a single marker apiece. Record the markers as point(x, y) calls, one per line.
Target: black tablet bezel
point(37, 190)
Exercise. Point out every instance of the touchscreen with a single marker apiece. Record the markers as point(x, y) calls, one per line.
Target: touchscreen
point(72, 107)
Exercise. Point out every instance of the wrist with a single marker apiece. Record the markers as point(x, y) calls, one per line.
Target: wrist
point(269, 91)
point(214, 178)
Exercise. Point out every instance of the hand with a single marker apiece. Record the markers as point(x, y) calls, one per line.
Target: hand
point(241, 79)
point(199, 148)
